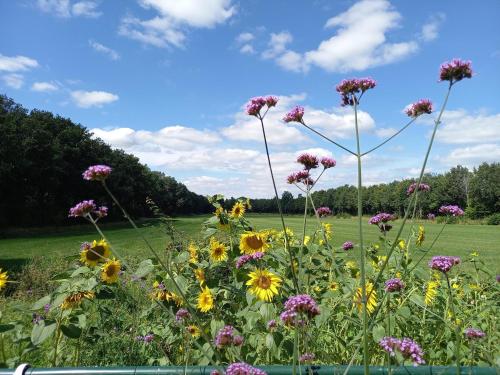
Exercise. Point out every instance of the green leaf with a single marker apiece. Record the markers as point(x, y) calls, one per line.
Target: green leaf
point(72, 331)
point(42, 331)
point(404, 312)
point(6, 327)
point(270, 344)
point(41, 303)
point(80, 270)
point(378, 333)
point(145, 267)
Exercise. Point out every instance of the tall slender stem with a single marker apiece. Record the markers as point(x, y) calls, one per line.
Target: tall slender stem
point(366, 357)
point(287, 243)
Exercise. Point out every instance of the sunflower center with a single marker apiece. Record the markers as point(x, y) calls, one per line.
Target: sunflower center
point(218, 251)
point(95, 253)
point(254, 242)
point(111, 270)
point(264, 282)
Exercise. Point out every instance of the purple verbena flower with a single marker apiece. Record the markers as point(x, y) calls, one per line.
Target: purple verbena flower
point(419, 108)
point(271, 101)
point(244, 259)
point(431, 216)
point(474, 333)
point(46, 308)
point(181, 315)
point(348, 88)
point(328, 162)
point(97, 173)
point(82, 209)
point(452, 210)
point(348, 245)
point(302, 304)
point(443, 263)
point(255, 105)
point(300, 177)
point(455, 70)
point(308, 161)
point(381, 220)
point(295, 115)
point(421, 187)
point(238, 340)
point(224, 337)
point(306, 357)
point(323, 211)
point(148, 338)
point(37, 318)
point(411, 350)
point(242, 368)
point(394, 285)
point(271, 324)
point(390, 345)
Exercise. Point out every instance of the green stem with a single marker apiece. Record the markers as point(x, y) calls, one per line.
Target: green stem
point(304, 224)
point(366, 357)
point(2, 347)
point(457, 326)
point(56, 342)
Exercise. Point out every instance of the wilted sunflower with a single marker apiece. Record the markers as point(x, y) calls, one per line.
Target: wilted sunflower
point(421, 235)
point(75, 299)
point(200, 275)
point(3, 279)
point(263, 284)
point(110, 271)
point(252, 242)
point(193, 253)
point(94, 253)
point(205, 300)
point(160, 293)
point(371, 294)
point(194, 331)
point(218, 251)
point(238, 210)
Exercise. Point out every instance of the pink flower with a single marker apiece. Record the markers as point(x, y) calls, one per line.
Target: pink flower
point(308, 161)
point(419, 108)
point(451, 210)
point(295, 115)
point(455, 70)
point(328, 162)
point(300, 177)
point(254, 106)
point(85, 208)
point(348, 88)
point(97, 173)
point(323, 211)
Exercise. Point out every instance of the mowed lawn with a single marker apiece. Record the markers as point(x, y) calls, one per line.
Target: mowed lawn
point(457, 239)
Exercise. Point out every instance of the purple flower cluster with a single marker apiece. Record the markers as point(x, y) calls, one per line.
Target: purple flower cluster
point(443, 263)
point(300, 177)
point(394, 285)
point(451, 210)
point(349, 87)
point(181, 315)
point(306, 357)
point(226, 337)
point(381, 220)
point(37, 318)
point(146, 338)
point(348, 245)
point(97, 173)
point(323, 211)
point(295, 115)
point(301, 304)
point(242, 368)
point(244, 259)
point(85, 208)
point(419, 108)
point(271, 324)
point(308, 161)
point(455, 70)
point(407, 347)
point(421, 187)
point(474, 333)
point(256, 104)
point(328, 162)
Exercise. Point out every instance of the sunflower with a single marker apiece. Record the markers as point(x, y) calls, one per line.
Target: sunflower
point(238, 210)
point(431, 292)
point(194, 331)
point(94, 253)
point(205, 300)
point(110, 271)
point(74, 300)
point(3, 279)
point(219, 211)
point(218, 251)
point(334, 286)
point(421, 235)
point(193, 253)
point(199, 273)
point(328, 229)
point(371, 294)
point(252, 242)
point(263, 284)
point(160, 293)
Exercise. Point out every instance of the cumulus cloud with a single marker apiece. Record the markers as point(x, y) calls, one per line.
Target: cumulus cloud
point(385, 132)
point(173, 16)
point(431, 28)
point(461, 126)
point(44, 87)
point(360, 41)
point(14, 80)
point(111, 53)
point(17, 63)
point(245, 37)
point(247, 49)
point(66, 9)
point(471, 156)
point(87, 99)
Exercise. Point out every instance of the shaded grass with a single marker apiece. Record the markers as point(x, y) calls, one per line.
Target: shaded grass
point(57, 243)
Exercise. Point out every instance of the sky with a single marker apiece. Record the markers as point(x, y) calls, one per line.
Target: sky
point(168, 80)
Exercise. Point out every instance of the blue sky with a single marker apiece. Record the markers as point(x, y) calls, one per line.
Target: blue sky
point(167, 80)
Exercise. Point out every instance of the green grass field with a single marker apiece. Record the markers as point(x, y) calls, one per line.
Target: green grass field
point(457, 239)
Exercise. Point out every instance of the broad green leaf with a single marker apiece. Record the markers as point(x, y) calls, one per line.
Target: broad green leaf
point(42, 331)
point(6, 327)
point(71, 331)
point(378, 333)
point(41, 303)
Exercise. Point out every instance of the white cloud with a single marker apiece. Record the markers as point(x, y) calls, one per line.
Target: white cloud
point(247, 49)
point(65, 9)
point(167, 28)
point(472, 155)
point(44, 87)
point(17, 63)
point(385, 132)
point(14, 80)
point(460, 126)
point(245, 37)
point(359, 42)
point(111, 53)
point(431, 28)
point(87, 99)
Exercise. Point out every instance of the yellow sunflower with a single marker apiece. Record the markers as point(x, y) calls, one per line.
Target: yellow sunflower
point(200, 275)
point(193, 253)
point(252, 242)
point(219, 211)
point(110, 271)
point(194, 331)
point(76, 299)
point(334, 286)
point(263, 284)
point(205, 300)
point(238, 210)
point(421, 235)
point(3, 279)
point(97, 252)
point(371, 294)
point(218, 251)
point(160, 293)
point(431, 292)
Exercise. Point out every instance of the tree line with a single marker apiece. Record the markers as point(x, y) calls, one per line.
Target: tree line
point(42, 157)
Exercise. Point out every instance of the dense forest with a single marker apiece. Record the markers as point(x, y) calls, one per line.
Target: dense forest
point(43, 155)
